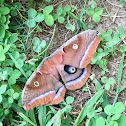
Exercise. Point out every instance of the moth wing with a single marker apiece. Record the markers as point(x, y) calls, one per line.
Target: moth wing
point(79, 50)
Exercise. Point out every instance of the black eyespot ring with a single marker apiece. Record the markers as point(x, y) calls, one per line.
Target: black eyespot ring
point(97, 32)
point(70, 69)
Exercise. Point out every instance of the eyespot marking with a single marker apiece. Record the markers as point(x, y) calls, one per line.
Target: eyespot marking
point(73, 70)
point(36, 83)
point(97, 32)
point(70, 69)
point(75, 46)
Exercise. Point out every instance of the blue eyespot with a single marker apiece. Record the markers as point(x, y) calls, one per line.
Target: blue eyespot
point(70, 69)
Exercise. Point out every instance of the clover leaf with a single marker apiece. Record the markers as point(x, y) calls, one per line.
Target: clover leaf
point(32, 13)
point(37, 45)
point(15, 75)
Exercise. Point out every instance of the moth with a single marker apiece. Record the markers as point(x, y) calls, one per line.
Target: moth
point(69, 63)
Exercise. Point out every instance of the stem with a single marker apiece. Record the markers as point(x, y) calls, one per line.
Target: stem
point(49, 42)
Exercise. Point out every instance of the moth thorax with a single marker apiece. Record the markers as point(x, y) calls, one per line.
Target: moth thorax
point(36, 83)
point(75, 46)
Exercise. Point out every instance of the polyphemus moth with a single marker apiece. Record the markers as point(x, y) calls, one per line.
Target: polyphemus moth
point(69, 63)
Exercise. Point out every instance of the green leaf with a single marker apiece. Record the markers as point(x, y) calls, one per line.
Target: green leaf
point(109, 44)
point(4, 10)
point(55, 16)
point(120, 28)
point(47, 10)
point(116, 40)
point(2, 32)
point(123, 48)
point(107, 86)
point(6, 48)
point(3, 19)
point(10, 92)
point(113, 123)
point(2, 56)
point(108, 109)
point(67, 8)
point(122, 35)
point(36, 41)
point(1, 98)
point(108, 37)
point(63, 13)
point(61, 19)
point(104, 79)
point(10, 100)
point(93, 4)
point(31, 23)
point(3, 89)
point(115, 117)
point(109, 31)
point(23, 56)
point(32, 13)
point(98, 11)
point(14, 37)
point(90, 11)
point(118, 108)
point(14, 12)
point(90, 112)
point(6, 111)
point(39, 17)
point(100, 121)
point(49, 20)
point(43, 44)
point(3, 75)
point(9, 70)
point(20, 62)
point(59, 10)
point(111, 80)
point(15, 95)
point(17, 5)
point(70, 26)
point(16, 74)
point(69, 100)
point(121, 121)
point(96, 18)
point(16, 55)
point(37, 49)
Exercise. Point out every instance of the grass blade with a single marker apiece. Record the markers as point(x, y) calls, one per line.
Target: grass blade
point(18, 108)
point(26, 118)
point(91, 102)
point(123, 87)
point(32, 115)
point(53, 118)
point(57, 120)
point(120, 69)
point(42, 115)
point(98, 87)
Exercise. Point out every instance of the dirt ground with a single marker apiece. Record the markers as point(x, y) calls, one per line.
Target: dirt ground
point(118, 14)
